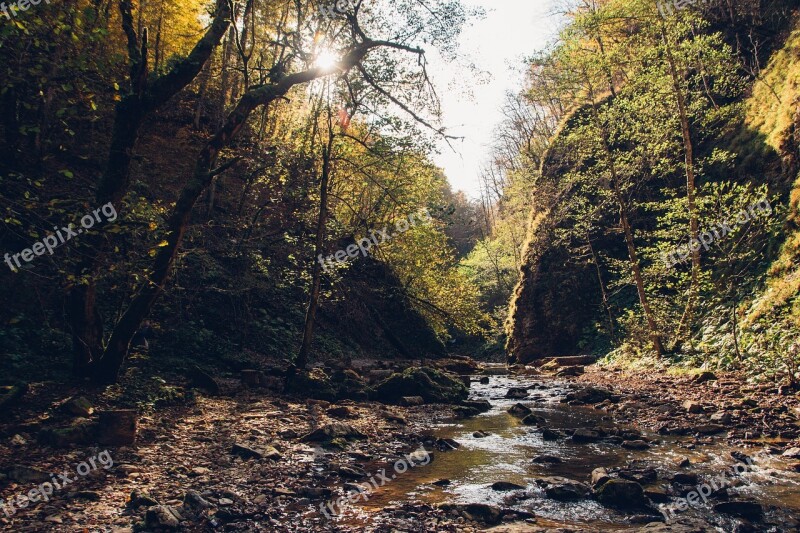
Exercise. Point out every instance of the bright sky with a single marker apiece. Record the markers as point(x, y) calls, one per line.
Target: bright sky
point(497, 44)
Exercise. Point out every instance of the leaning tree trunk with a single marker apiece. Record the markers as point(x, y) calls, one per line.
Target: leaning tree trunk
point(81, 305)
point(143, 99)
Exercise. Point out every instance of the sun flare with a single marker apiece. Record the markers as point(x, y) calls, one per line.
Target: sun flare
point(326, 60)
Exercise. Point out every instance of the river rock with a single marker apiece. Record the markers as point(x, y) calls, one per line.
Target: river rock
point(462, 411)
point(693, 407)
point(657, 495)
point(141, 498)
point(550, 434)
point(481, 405)
point(563, 489)
point(246, 452)
point(484, 380)
point(684, 478)
point(599, 477)
point(78, 406)
point(639, 474)
point(743, 509)
point(547, 459)
point(588, 395)
point(341, 411)
point(79, 431)
point(792, 453)
point(519, 410)
point(480, 434)
point(446, 445)
point(434, 386)
point(352, 472)
point(476, 512)
point(420, 456)
point(335, 430)
point(705, 376)
point(458, 365)
point(26, 474)
point(570, 371)
point(621, 494)
point(709, 429)
point(117, 427)
point(582, 435)
point(411, 401)
point(194, 500)
point(517, 393)
point(163, 517)
point(503, 486)
point(533, 420)
point(635, 445)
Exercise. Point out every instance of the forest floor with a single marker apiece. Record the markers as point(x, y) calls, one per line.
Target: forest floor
point(241, 462)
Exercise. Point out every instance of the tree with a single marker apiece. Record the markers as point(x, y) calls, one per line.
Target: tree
point(143, 98)
point(356, 46)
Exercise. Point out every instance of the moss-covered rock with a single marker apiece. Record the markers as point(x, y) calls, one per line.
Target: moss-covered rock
point(434, 386)
point(313, 383)
point(349, 385)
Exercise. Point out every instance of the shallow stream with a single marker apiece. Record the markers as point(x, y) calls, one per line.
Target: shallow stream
point(507, 453)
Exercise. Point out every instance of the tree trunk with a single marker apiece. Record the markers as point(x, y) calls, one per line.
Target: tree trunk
point(85, 320)
point(694, 226)
point(636, 268)
point(313, 302)
point(637, 272)
point(81, 305)
point(602, 288)
point(10, 126)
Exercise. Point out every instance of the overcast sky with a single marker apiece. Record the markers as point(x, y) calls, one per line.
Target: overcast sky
point(497, 44)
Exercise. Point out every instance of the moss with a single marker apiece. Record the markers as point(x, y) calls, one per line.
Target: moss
point(311, 384)
point(434, 386)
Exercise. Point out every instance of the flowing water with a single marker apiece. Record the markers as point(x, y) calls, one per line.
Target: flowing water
point(507, 453)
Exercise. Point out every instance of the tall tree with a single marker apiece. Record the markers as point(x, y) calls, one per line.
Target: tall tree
point(143, 98)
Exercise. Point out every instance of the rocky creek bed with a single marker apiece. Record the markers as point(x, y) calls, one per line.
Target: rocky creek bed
point(594, 452)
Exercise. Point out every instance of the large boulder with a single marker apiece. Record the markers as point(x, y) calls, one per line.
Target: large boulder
point(348, 385)
point(622, 494)
point(589, 395)
point(563, 489)
point(434, 386)
point(313, 383)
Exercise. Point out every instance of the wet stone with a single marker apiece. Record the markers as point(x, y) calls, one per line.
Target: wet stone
point(519, 410)
point(621, 494)
point(583, 435)
point(563, 489)
point(517, 392)
point(547, 459)
point(743, 509)
point(503, 486)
